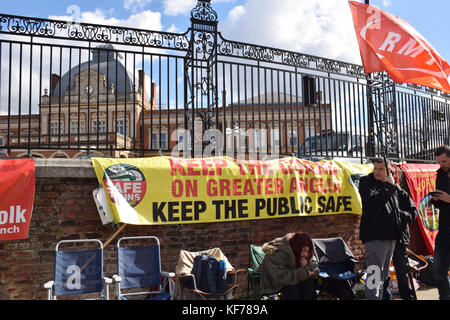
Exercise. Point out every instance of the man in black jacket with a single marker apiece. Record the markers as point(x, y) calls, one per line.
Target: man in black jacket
point(382, 224)
point(407, 213)
point(441, 200)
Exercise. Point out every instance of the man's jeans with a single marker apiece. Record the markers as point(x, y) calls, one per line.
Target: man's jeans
point(441, 263)
point(378, 259)
point(401, 266)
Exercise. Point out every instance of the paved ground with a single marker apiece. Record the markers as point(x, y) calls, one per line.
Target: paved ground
point(424, 293)
point(427, 293)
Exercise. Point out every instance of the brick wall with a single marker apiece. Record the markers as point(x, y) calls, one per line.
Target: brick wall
point(64, 209)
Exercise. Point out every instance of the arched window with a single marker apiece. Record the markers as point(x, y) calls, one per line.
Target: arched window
point(159, 142)
point(77, 126)
point(123, 124)
point(56, 125)
point(99, 123)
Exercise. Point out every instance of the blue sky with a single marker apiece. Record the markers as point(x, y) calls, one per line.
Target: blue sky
point(317, 27)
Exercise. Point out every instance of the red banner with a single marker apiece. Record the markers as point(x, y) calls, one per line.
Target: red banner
point(17, 187)
point(388, 43)
point(421, 179)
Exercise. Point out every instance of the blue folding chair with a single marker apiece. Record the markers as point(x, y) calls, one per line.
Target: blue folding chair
point(139, 268)
point(79, 272)
point(337, 276)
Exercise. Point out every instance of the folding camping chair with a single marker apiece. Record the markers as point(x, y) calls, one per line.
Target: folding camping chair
point(416, 263)
point(78, 272)
point(337, 277)
point(139, 271)
point(185, 286)
point(256, 256)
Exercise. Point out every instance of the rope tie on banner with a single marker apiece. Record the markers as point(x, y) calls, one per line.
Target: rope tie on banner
point(397, 176)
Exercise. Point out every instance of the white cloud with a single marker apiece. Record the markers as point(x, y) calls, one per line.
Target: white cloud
point(175, 7)
point(173, 28)
point(135, 5)
point(143, 20)
point(235, 14)
point(387, 3)
point(321, 28)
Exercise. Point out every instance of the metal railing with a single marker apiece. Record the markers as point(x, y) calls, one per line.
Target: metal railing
point(81, 87)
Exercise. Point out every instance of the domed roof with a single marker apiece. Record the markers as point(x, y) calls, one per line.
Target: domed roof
point(106, 62)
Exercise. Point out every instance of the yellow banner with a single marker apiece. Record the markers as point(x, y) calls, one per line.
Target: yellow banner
point(168, 190)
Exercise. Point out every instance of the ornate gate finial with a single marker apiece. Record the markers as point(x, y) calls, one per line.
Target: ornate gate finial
point(204, 12)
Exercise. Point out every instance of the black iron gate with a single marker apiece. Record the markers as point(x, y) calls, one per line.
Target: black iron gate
point(73, 90)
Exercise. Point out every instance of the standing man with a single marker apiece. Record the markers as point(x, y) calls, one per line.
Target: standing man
point(441, 200)
point(407, 213)
point(380, 225)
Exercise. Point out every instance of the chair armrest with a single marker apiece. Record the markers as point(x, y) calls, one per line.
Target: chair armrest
point(235, 273)
point(189, 275)
point(116, 279)
point(108, 280)
point(240, 270)
point(49, 284)
point(168, 274)
point(49, 287)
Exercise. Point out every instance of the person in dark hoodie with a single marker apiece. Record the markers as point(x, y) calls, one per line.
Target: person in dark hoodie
point(441, 200)
point(407, 212)
point(289, 267)
point(383, 223)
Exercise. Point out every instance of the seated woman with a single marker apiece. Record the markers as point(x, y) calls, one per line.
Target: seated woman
point(289, 267)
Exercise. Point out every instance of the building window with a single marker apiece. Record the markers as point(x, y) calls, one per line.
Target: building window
point(163, 141)
point(99, 126)
point(122, 128)
point(242, 139)
point(74, 126)
point(275, 138)
point(259, 139)
point(156, 143)
point(56, 127)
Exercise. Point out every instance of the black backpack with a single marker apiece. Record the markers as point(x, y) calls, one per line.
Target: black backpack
point(210, 274)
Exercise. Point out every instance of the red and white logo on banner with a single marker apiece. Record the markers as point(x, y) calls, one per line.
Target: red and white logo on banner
point(17, 188)
point(421, 179)
point(388, 43)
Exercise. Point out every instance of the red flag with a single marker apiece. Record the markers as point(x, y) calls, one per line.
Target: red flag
point(388, 43)
point(17, 187)
point(421, 179)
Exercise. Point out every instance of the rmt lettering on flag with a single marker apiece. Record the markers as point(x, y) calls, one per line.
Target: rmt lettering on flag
point(388, 43)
